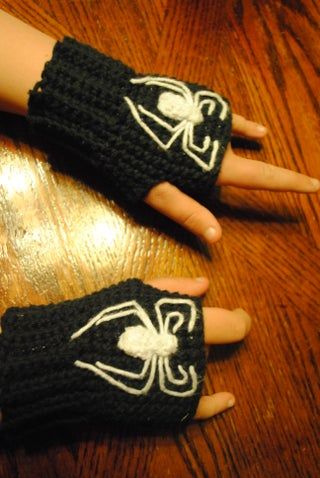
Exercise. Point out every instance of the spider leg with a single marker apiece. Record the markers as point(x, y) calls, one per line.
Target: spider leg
point(165, 372)
point(114, 312)
point(125, 373)
point(199, 104)
point(165, 301)
point(177, 325)
point(148, 130)
point(211, 104)
point(210, 94)
point(192, 376)
point(160, 121)
point(190, 143)
point(185, 146)
point(171, 378)
point(152, 364)
point(168, 83)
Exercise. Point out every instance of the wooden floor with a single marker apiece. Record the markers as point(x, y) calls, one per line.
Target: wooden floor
point(60, 238)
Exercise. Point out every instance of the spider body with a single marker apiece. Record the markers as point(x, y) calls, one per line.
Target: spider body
point(154, 347)
point(187, 109)
point(141, 342)
point(179, 108)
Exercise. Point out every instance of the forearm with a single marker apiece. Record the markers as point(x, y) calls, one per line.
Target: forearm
point(23, 53)
point(112, 117)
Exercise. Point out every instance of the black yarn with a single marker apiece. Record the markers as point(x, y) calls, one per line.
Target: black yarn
point(41, 386)
point(79, 104)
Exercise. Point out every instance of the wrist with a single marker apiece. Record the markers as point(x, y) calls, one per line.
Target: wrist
point(129, 354)
point(24, 52)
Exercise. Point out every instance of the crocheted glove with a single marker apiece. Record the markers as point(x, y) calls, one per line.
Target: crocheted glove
point(128, 354)
point(136, 130)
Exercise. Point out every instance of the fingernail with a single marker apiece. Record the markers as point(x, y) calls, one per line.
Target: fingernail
point(210, 234)
point(231, 402)
point(261, 128)
point(242, 313)
point(200, 279)
point(315, 183)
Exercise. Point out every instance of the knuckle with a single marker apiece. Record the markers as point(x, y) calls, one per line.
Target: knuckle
point(268, 172)
point(238, 121)
point(191, 220)
point(159, 194)
point(240, 330)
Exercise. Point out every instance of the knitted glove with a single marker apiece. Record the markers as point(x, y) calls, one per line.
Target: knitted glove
point(136, 130)
point(128, 354)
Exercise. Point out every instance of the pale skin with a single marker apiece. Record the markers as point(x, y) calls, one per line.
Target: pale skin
point(221, 326)
point(20, 43)
point(25, 50)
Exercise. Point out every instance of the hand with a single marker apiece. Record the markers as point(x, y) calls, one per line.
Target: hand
point(235, 171)
point(220, 327)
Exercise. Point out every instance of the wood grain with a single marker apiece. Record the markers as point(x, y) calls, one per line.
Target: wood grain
point(61, 238)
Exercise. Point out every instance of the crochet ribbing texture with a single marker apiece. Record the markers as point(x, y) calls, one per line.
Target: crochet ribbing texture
point(129, 354)
point(134, 130)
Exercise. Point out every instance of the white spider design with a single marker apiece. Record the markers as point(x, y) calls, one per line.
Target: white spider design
point(152, 346)
point(181, 105)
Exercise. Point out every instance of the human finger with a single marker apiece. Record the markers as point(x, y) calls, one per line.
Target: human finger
point(181, 208)
point(251, 174)
point(210, 405)
point(250, 129)
point(182, 285)
point(223, 326)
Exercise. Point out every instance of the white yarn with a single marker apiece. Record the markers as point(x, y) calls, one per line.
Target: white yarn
point(140, 342)
point(154, 347)
point(178, 108)
point(184, 107)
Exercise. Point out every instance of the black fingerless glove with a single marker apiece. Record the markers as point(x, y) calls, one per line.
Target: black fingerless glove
point(128, 354)
point(137, 131)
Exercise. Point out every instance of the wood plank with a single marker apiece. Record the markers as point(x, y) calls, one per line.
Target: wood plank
point(61, 238)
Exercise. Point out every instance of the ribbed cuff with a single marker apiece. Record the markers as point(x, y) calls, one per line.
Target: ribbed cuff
point(136, 130)
point(129, 354)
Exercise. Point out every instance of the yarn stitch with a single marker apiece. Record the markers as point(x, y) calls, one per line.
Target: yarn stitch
point(185, 108)
point(148, 344)
point(135, 131)
point(80, 360)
